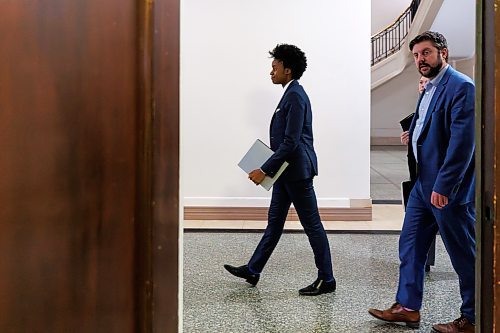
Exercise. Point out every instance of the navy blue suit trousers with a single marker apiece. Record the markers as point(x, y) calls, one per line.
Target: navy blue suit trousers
point(301, 194)
point(455, 223)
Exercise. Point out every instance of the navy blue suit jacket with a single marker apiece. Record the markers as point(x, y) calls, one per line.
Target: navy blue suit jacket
point(445, 148)
point(292, 137)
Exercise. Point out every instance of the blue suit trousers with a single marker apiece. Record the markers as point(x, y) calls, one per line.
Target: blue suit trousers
point(456, 225)
point(301, 194)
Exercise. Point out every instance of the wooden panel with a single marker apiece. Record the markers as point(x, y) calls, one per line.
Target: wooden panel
point(260, 213)
point(67, 180)
point(486, 158)
point(144, 218)
point(165, 202)
point(494, 147)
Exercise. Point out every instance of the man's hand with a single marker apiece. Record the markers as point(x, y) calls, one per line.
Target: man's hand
point(257, 176)
point(405, 137)
point(438, 200)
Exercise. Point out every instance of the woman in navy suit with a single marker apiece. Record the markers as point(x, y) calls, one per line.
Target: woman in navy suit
point(291, 139)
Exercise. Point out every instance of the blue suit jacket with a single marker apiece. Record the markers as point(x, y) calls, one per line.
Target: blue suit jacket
point(445, 148)
point(292, 137)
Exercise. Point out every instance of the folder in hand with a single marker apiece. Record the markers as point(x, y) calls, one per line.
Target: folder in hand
point(257, 155)
point(406, 122)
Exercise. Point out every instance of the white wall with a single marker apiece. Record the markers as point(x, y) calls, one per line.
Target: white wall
point(393, 101)
point(385, 12)
point(227, 98)
point(457, 22)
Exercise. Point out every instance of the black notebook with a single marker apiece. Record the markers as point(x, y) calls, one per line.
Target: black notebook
point(406, 122)
point(406, 187)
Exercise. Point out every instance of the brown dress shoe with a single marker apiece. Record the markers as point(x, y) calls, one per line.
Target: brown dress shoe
point(460, 325)
point(397, 314)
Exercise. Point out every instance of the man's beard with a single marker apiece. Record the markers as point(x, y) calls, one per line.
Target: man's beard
point(434, 70)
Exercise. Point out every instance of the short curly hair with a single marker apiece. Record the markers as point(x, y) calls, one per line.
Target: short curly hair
point(292, 58)
point(436, 38)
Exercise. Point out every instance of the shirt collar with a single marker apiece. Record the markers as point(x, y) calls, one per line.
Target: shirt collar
point(286, 85)
point(435, 81)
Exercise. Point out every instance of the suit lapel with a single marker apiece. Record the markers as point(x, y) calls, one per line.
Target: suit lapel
point(435, 98)
point(294, 82)
point(432, 105)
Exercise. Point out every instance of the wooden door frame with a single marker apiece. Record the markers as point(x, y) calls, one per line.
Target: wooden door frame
point(157, 205)
point(487, 178)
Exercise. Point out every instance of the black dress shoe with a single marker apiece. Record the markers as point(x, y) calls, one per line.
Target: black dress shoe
point(244, 273)
point(318, 287)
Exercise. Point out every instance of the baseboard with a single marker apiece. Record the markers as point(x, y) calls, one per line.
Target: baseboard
point(385, 141)
point(260, 213)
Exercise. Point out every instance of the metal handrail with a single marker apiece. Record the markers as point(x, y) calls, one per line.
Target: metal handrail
point(389, 40)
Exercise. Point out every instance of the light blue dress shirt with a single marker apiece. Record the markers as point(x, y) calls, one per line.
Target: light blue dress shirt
point(430, 89)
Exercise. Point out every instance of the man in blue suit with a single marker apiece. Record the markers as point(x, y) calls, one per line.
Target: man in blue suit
point(442, 199)
point(292, 141)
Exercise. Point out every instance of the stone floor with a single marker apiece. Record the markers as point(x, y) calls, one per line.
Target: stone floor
point(388, 169)
point(365, 262)
point(365, 266)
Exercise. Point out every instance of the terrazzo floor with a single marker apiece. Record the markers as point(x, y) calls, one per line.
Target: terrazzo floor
point(365, 266)
point(388, 167)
